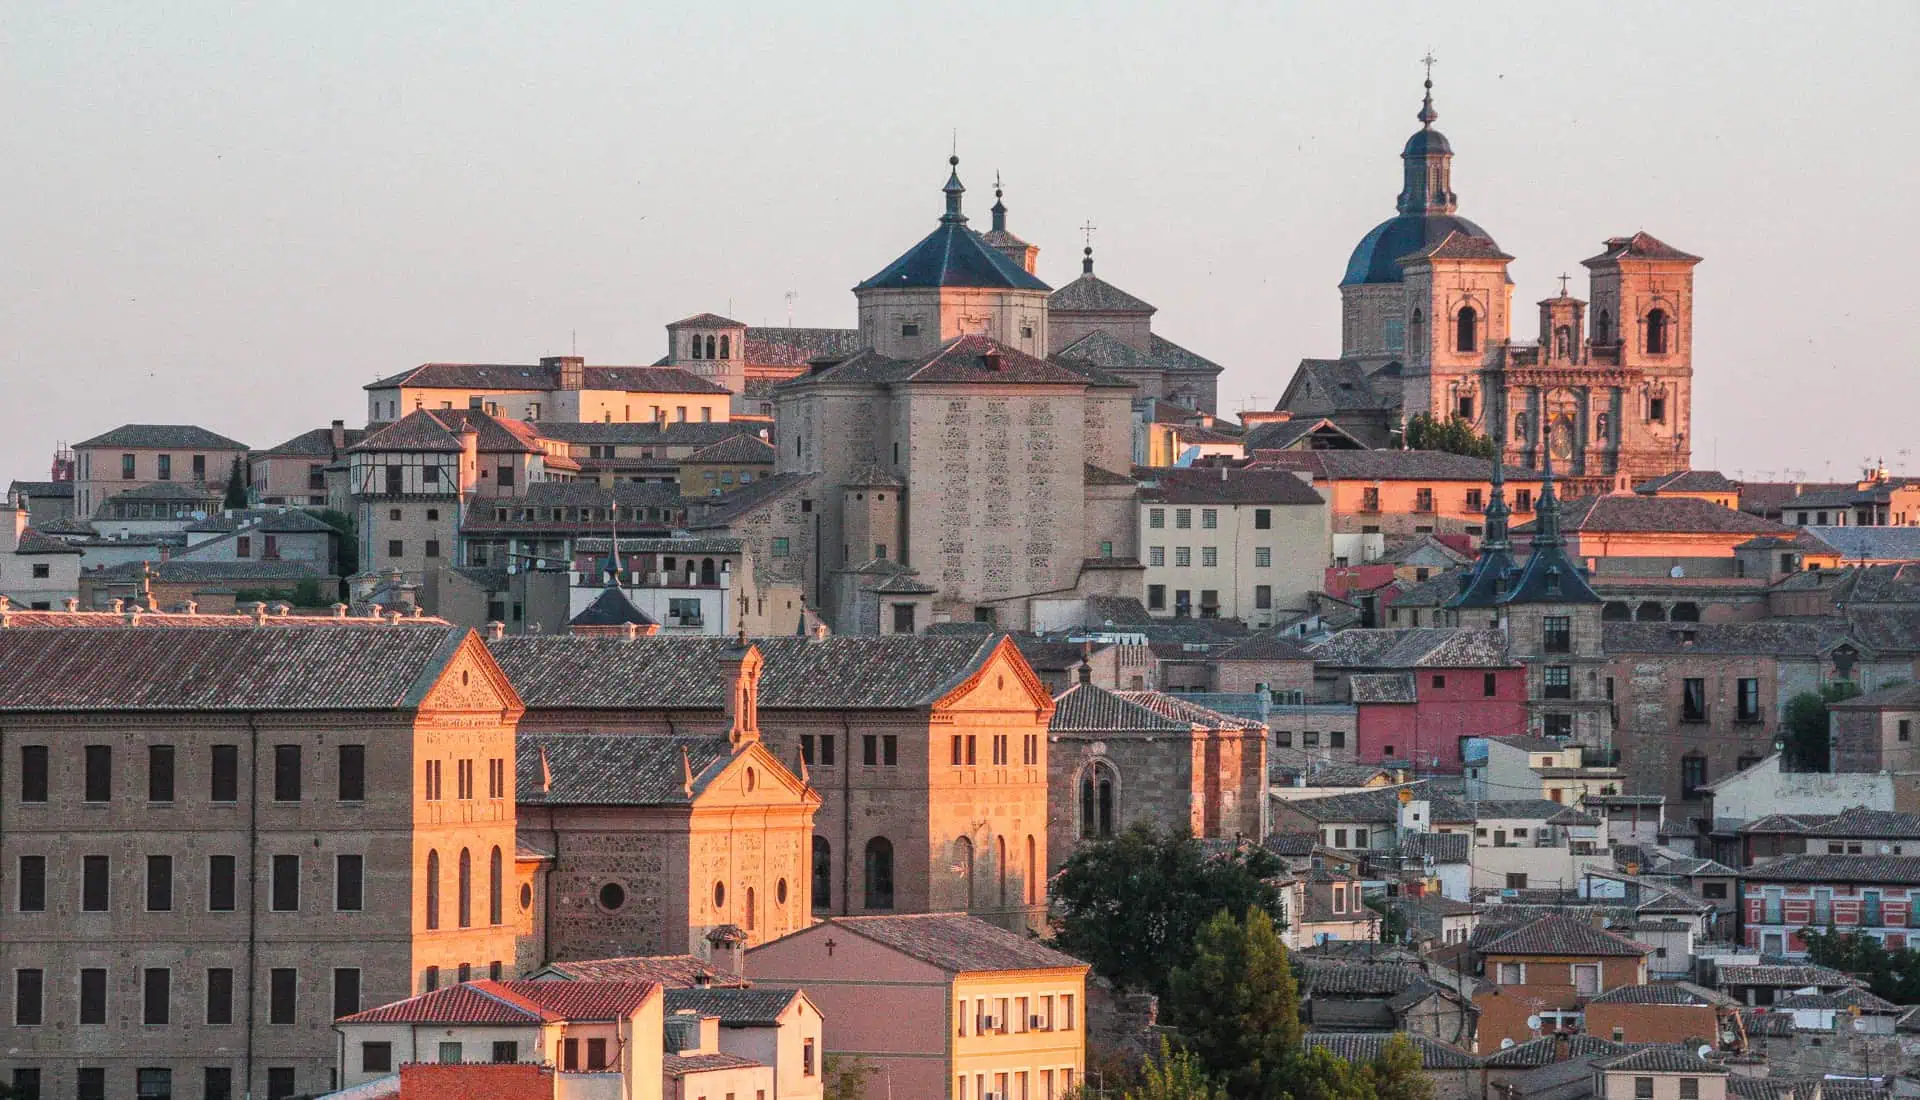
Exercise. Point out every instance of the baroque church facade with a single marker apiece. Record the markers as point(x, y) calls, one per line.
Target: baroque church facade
point(1427, 326)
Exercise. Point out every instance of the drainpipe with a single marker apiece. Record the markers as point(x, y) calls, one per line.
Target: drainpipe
point(846, 819)
point(253, 888)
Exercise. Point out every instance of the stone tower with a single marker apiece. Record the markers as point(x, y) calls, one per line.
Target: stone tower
point(1642, 294)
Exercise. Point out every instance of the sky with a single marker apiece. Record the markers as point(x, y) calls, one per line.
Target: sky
point(237, 216)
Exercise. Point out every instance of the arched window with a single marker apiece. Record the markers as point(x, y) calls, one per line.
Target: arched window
point(822, 875)
point(750, 915)
point(494, 886)
point(1106, 805)
point(708, 575)
point(963, 865)
point(709, 347)
point(1657, 327)
point(1650, 612)
point(1603, 328)
point(1000, 860)
point(433, 889)
point(726, 347)
point(1616, 612)
point(694, 350)
point(1416, 331)
point(1466, 330)
point(1686, 612)
point(1096, 801)
point(1033, 871)
point(466, 888)
point(879, 873)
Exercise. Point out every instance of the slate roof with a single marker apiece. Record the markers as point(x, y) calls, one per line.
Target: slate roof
point(1458, 245)
point(1898, 697)
point(192, 571)
point(679, 1065)
point(1335, 386)
point(1382, 687)
point(1237, 486)
point(158, 667)
point(1094, 475)
point(1085, 708)
point(1872, 543)
point(1688, 481)
point(43, 490)
point(33, 542)
point(534, 376)
point(1662, 1059)
point(1099, 352)
point(1173, 357)
point(1562, 935)
point(315, 443)
point(1655, 993)
point(1515, 808)
point(1413, 647)
point(835, 673)
point(189, 491)
point(705, 320)
point(1442, 847)
point(1783, 977)
point(958, 943)
point(1182, 710)
point(1640, 246)
point(962, 360)
point(1376, 259)
point(794, 347)
point(670, 971)
point(1293, 845)
point(1118, 610)
point(611, 608)
point(1267, 645)
point(1092, 294)
point(1833, 868)
point(755, 1007)
point(484, 1001)
point(1360, 1047)
point(1633, 512)
point(734, 449)
point(952, 255)
point(594, 769)
point(1281, 435)
point(184, 437)
point(1777, 637)
point(690, 433)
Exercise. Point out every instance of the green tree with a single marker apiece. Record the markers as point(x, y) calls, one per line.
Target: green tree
point(349, 538)
point(1453, 435)
point(1133, 905)
point(1236, 1006)
point(236, 484)
point(1804, 729)
point(1396, 1074)
point(844, 1078)
point(1889, 973)
point(1175, 1075)
point(1317, 1073)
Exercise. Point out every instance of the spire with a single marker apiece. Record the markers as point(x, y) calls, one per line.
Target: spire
point(999, 206)
point(954, 190)
point(1546, 513)
point(1496, 536)
point(1427, 113)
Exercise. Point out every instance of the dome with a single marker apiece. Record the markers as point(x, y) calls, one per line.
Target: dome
point(1377, 258)
point(1426, 143)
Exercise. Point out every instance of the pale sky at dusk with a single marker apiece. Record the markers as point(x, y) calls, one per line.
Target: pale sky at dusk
point(236, 216)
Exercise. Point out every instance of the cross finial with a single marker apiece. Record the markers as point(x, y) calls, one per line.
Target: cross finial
point(1086, 232)
point(830, 946)
point(1428, 62)
point(1427, 113)
point(1563, 283)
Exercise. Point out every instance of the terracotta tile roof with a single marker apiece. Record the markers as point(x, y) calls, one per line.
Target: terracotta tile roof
point(794, 347)
point(1171, 356)
point(1268, 645)
point(1085, 708)
point(1090, 293)
point(958, 943)
point(1898, 697)
point(485, 1001)
point(1442, 848)
point(680, 1065)
point(1662, 1059)
point(1858, 821)
point(669, 971)
point(844, 671)
point(1688, 481)
point(33, 542)
point(1562, 935)
point(1655, 993)
point(1413, 647)
point(1544, 1051)
point(757, 1007)
point(1840, 1000)
point(513, 376)
point(594, 769)
point(1382, 687)
point(42, 490)
point(1778, 637)
point(1632, 512)
point(311, 667)
point(1360, 1047)
point(315, 443)
point(1344, 976)
point(1871, 543)
point(190, 491)
point(1182, 710)
point(734, 449)
point(705, 320)
point(1224, 485)
point(1640, 246)
point(1531, 809)
point(690, 433)
point(971, 359)
point(173, 436)
point(1833, 868)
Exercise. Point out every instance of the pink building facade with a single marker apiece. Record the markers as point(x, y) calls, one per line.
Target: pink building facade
point(1425, 715)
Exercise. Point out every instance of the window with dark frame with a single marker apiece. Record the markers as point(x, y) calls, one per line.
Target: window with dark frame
point(156, 997)
point(94, 888)
point(93, 996)
point(159, 884)
point(99, 773)
point(221, 875)
point(33, 773)
point(285, 889)
point(282, 984)
point(286, 773)
point(353, 773)
point(224, 778)
point(159, 773)
point(219, 996)
point(31, 897)
point(348, 885)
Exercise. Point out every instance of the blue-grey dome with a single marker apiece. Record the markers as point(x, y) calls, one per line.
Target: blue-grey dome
point(1427, 142)
point(1377, 258)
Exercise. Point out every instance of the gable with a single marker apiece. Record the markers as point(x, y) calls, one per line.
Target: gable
point(773, 784)
point(1003, 682)
point(471, 682)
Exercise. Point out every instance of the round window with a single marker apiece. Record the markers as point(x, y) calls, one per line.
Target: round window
point(526, 897)
point(780, 891)
point(719, 894)
point(613, 896)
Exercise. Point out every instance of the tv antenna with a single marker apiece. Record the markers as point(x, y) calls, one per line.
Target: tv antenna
point(792, 296)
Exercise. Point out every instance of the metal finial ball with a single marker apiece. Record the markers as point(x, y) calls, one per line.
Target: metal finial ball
point(954, 161)
point(1088, 250)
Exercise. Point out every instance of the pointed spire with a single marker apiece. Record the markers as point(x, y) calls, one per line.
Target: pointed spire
point(999, 205)
point(546, 772)
point(954, 190)
point(1546, 513)
point(686, 771)
point(1427, 113)
point(1497, 513)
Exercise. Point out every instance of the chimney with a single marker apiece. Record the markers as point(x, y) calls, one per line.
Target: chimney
point(729, 944)
point(740, 668)
point(259, 612)
point(71, 604)
point(819, 632)
point(192, 607)
point(469, 460)
point(570, 370)
point(339, 436)
point(992, 358)
point(339, 611)
point(496, 630)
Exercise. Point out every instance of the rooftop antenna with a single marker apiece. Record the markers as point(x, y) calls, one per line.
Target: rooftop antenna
point(792, 296)
point(576, 343)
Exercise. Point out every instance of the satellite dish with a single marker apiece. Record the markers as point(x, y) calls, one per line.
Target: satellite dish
point(1705, 1049)
point(1533, 1023)
point(1505, 1043)
point(1726, 1036)
point(1677, 572)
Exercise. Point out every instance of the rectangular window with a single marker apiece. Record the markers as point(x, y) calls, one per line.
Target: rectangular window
point(1748, 708)
point(280, 1083)
point(1156, 518)
point(432, 780)
point(93, 884)
point(1283, 739)
point(32, 895)
point(1263, 557)
point(1693, 699)
point(93, 995)
point(347, 888)
point(219, 995)
point(282, 983)
point(353, 773)
point(1693, 775)
point(159, 884)
point(1263, 519)
point(1310, 739)
point(1516, 881)
point(827, 750)
point(1523, 500)
point(782, 547)
point(870, 749)
point(1643, 1088)
point(286, 884)
point(99, 778)
point(1557, 682)
point(1489, 684)
point(890, 750)
point(1210, 556)
point(1209, 518)
point(1183, 518)
point(376, 1057)
point(1336, 739)
point(220, 884)
point(505, 1051)
point(1423, 500)
point(1370, 500)
point(219, 1083)
point(126, 467)
point(224, 785)
point(1183, 556)
point(432, 548)
point(159, 773)
point(90, 1083)
point(286, 773)
point(1689, 1088)
point(1556, 634)
point(596, 1054)
point(1263, 597)
point(396, 548)
point(28, 986)
point(156, 996)
point(1156, 597)
point(33, 773)
point(807, 1056)
point(505, 480)
point(1557, 725)
point(1156, 555)
point(1586, 979)
point(243, 546)
point(973, 743)
point(346, 991)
